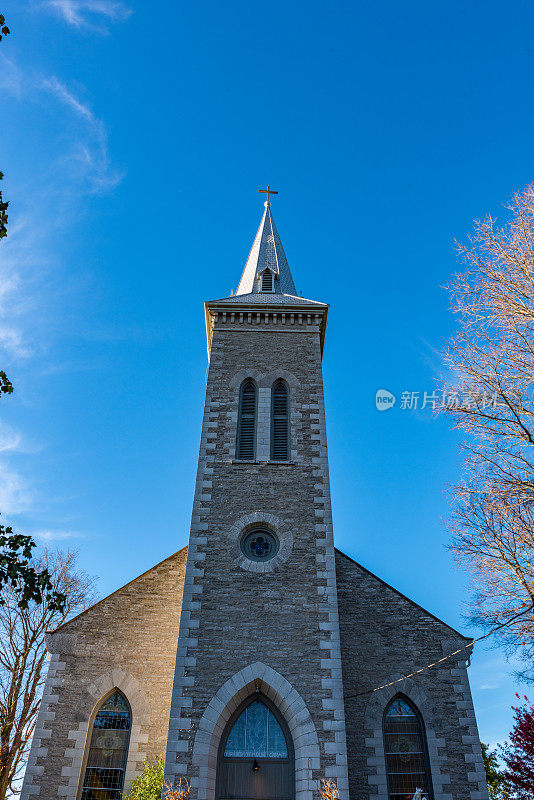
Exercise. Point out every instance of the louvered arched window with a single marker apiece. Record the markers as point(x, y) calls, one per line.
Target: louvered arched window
point(267, 281)
point(280, 422)
point(405, 748)
point(108, 750)
point(246, 424)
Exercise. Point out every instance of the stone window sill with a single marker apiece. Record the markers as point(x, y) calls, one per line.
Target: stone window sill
point(261, 463)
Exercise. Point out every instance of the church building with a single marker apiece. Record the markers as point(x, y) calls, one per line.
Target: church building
point(259, 659)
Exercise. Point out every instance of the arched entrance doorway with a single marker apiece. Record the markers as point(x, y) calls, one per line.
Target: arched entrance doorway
point(256, 757)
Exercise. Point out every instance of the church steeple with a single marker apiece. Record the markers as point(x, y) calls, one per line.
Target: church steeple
point(266, 256)
point(266, 288)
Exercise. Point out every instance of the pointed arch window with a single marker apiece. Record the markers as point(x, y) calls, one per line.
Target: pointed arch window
point(256, 733)
point(280, 422)
point(246, 424)
point(108, 750)
point(406, 753)
point(256, 756)
point(267, 281)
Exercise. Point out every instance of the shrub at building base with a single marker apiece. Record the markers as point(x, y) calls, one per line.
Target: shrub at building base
point(149, 784)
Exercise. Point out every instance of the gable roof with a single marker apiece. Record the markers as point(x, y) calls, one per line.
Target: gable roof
point(338, 552)
point(400, 594)
point(112, 594)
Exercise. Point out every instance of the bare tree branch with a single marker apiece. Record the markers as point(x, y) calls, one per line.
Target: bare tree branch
point(23, 659)
point(493, 355)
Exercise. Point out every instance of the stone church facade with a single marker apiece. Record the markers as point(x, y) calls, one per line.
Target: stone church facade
point(246, 658)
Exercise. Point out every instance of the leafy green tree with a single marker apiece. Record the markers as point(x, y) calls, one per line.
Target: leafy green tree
point(149, 784)
point(495, 778)
point(16, 571)
point(3, 211)
point(5, 384)
point(4, 30)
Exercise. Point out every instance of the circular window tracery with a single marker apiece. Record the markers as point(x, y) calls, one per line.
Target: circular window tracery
point(260, 544)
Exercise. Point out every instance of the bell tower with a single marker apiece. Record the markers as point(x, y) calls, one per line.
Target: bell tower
point(257, 706)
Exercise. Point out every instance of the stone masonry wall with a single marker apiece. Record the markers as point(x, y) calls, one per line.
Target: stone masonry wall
point(127, 641)
point(247, 626)
point(384, 636)
point(285, 618)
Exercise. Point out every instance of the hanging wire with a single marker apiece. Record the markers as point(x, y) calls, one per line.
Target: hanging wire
point(441, 660)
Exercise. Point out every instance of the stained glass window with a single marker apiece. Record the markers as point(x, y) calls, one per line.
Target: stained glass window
point(405, 748)
point(256, 733)
point(108, 750)
point(259, 545)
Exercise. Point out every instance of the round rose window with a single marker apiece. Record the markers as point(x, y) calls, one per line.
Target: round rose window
point(259, 545)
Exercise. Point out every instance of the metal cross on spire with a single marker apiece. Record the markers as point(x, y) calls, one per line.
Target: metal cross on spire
point(268, 191)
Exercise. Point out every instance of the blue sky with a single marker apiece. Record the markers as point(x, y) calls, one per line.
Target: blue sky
point(133, 139)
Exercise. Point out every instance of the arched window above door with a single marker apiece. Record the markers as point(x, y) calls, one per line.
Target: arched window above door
point(256, 733)
point(256, 757)
point(108, 750)
point(405, 748)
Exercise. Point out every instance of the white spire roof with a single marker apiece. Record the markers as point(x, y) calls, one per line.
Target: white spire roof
point(253, 296)
point(266, 253)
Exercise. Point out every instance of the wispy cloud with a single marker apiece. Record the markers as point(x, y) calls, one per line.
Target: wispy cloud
point(22, 287)
point(90, 15)
point(12, 79)
point(11, 441)
point(44, 203)
point(85, 159)
point(16, 495)
point(46, 536)
point(43, 200)
point(89, 155)
point(11, 341)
